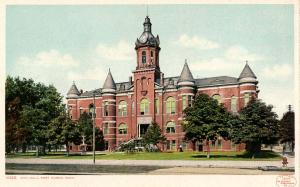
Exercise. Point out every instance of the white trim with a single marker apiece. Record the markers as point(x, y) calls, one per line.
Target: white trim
point(71, 104)
point(248, 91)
point(122, 94)
point(186, 88)
point(186, 94)
point(88, 98)
point(186, 83)
point(247, 84)
point(171, 90)
point(247, 79)
point(216, 87)
point(108, 121)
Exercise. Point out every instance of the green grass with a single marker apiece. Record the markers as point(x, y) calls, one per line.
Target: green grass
point(264, 155)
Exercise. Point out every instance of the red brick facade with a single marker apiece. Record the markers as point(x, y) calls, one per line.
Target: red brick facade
point(124, 110)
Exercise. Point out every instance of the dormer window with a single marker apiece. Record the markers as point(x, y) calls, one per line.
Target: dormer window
point(144, 57)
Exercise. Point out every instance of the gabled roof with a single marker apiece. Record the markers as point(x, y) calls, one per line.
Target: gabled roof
point(247, 72)
point(186, 74)
point(73, 91)
point(109, 82)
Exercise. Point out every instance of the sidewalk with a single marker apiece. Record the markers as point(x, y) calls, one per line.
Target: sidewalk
point(171, 163)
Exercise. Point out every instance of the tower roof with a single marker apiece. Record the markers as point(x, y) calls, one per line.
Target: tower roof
point(186, 74)
point(109, 82)
point(247, 72)
point(147, 38)
point(73, 91)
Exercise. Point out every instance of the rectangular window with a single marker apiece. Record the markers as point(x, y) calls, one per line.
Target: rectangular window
point(233, 104)
point(246, 98)
point(105, 128)
point(183, 102)
point(105, 109)
point(173, 147)
point(190, 103)
point(156, 106)
point(168, 144)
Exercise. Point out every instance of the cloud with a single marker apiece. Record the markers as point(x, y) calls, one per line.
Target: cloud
point(229, 63)
point(49, 59)
point(122, 51)
point(239, 53)
point(278, 72)
point(88, 74)
point(196, 42)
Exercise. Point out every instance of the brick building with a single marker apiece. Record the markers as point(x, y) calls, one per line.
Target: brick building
point(125, 110)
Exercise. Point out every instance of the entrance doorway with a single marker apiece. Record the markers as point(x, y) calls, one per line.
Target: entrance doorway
point(143, 129)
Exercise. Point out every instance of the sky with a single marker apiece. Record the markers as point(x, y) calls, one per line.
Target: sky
point(61, 44)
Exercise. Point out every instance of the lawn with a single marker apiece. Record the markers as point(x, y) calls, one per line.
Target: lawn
point(264, 155)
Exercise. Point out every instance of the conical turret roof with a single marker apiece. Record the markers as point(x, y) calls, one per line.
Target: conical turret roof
point(109, 82)
point(73, 91)
point(247, 72)
point(186, 74)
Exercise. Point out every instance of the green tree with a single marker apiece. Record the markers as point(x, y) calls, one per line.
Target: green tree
point(63, 130)
point(35, 120)
point(205, 121)
point(287, 128)
point(153, 136)
point(85, 126)
point(30, 107)
point(18, 93)
point(256, 125)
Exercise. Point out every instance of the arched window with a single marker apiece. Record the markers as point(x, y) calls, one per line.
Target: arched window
point(171, 108)
point(170, 127)
point(246, 98)
point(122, 128)
point(144, 57)
point(144, 106)
point(233, 104)
point(92, 110)
point(122, 109)
point(217, 97)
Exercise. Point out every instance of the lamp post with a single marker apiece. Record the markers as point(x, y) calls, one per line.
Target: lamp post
point(93, 116)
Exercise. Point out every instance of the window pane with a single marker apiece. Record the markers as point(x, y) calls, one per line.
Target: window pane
point(234, 104)
point(183, 102)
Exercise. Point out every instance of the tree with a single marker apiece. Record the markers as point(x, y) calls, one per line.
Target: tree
point(35, 122)
point(63, 130)
point(85, 126)
point(256, 125)
point(30, 107)
point(18, 93)
point(205, 121)
point(287, 128)
point(153, 136)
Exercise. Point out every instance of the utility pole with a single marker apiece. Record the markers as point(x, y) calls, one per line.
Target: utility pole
point(93, 116)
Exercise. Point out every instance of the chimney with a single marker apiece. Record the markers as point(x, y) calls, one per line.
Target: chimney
point(161, 79)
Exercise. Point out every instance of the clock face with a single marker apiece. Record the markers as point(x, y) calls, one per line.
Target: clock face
point(143, 38)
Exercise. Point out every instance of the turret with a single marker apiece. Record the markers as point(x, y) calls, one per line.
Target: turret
point(109, 85)
point(186, 77)
point(73, 92)
point(247, 75)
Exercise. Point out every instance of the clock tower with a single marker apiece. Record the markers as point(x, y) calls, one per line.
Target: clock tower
point(146, 76)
